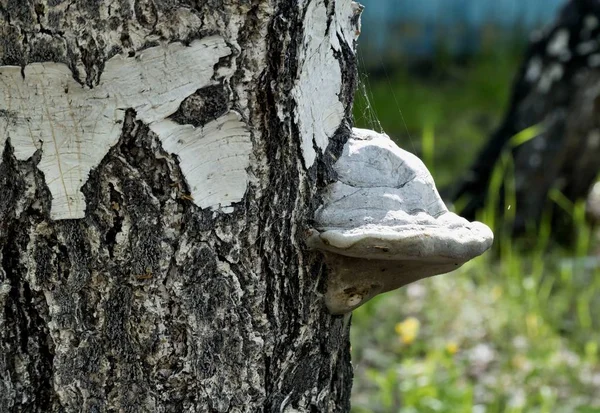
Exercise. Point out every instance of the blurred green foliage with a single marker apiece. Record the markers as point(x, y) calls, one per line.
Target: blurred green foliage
point(457, 102)
point(516, 330)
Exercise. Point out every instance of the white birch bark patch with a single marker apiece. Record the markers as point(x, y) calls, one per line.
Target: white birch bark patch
point(213, 157)
point(319, 111)
point(75, 126)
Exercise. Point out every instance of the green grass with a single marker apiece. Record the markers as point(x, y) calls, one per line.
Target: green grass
point(459, 104)
point(516, 330)
point(525, 342)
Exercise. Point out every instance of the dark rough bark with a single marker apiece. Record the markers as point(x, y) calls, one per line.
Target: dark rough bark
point(149, 303)
point(556, 88)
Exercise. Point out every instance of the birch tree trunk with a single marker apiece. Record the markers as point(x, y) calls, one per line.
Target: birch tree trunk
point(161, 160)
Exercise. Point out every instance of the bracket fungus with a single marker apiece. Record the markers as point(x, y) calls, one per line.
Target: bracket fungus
point(383, 224)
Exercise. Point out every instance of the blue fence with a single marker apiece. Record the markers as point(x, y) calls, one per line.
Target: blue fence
point(415, 28)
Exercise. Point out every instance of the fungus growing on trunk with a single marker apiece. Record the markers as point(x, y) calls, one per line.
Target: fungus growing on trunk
point(383, 224)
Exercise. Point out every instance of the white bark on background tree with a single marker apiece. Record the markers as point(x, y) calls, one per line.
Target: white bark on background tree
point(161, 161)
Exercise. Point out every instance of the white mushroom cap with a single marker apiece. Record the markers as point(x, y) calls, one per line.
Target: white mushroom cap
point(383, 224)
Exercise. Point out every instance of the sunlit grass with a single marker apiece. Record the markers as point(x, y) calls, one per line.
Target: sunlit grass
point(521, 330)
point(459, 103)
point(516, 330)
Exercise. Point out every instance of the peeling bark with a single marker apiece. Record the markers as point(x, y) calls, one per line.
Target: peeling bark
point(151, 300)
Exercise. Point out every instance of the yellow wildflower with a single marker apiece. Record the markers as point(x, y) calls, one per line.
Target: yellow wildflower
point(452, 347)
point(408, 330)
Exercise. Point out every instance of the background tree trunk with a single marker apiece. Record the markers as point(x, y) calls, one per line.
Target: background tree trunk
point(149, 302)
point(557, 90)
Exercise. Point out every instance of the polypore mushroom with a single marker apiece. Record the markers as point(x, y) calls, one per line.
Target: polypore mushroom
point(383, 224)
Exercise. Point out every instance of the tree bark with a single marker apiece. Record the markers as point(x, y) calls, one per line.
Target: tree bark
point(557, 90)
point(138, 288)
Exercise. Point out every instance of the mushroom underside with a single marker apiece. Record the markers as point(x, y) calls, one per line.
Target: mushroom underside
point(353, 281)
point(365, 262)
